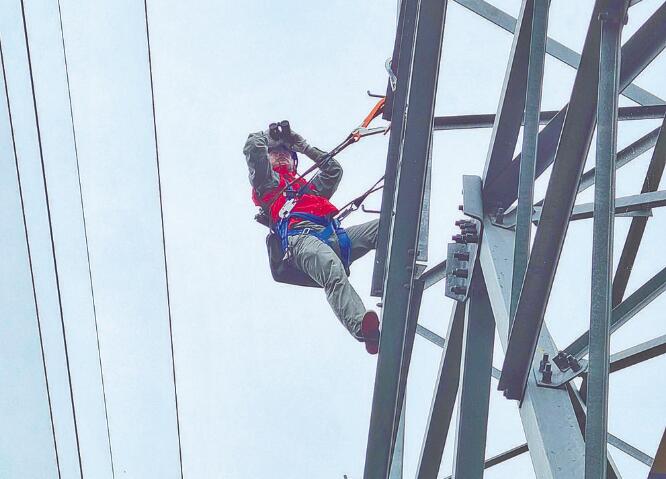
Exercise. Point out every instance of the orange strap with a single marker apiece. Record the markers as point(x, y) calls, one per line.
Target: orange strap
point(374, 113)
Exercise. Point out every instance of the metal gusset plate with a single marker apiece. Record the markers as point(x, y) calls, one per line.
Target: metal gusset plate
point(462, 254)
point(558, 371)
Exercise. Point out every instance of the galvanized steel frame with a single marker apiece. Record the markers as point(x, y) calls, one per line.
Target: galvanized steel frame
point(555, 441)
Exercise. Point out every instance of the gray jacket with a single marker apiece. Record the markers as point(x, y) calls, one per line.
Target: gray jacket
point(263, 178)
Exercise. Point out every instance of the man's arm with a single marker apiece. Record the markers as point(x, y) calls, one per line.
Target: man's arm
point(261, 175)
point(326, 182)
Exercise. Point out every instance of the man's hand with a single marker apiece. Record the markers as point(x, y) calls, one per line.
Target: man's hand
point(297, 143)
point(270, 142)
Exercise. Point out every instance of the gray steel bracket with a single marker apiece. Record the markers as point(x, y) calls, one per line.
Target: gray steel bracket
point(564, 371)
point(461, 255)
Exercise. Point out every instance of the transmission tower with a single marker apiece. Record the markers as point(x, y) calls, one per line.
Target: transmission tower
point(501, 267)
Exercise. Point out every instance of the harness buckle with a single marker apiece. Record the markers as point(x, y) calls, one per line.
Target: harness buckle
point(287, 207)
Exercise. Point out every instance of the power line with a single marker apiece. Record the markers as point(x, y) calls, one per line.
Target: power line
point(85, 234)
point(32, 274)
point(55, 261)
point(166, 270)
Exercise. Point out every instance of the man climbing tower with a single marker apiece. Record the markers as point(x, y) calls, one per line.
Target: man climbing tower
point(301, 216)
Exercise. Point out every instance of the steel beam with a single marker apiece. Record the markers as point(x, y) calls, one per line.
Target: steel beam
point(596, 426)
point(630, 450)
point(581, 413)
point(474, 393)
point(658, 469)
point(556, 446)
point(624, 156)
point(553, 47)
point(643, 47)
point(537, 51)
point(434, 275)
point(444, 397)
point(410, 333)
point(424, 225)
point(558, 203)
point(637, 228)
point(466, 122)
point(626, 204)
point(638, 354)
point(412, 162)
point(624, 311)
point(397, 465)
point(434, 338)
point(503, 457)
point(512, 98)
point(402, 67)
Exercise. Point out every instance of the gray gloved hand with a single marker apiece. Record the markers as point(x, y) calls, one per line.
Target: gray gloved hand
point(297, 143)
point(270, 142)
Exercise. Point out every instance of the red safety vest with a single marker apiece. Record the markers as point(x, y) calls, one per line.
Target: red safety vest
point(307, 203)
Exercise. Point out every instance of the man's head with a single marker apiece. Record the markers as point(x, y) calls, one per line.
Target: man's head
point(281, 156)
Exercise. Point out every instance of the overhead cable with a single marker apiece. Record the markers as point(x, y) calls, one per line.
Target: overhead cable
point(166, 269)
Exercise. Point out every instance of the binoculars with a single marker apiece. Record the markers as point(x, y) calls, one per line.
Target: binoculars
point(280, 131)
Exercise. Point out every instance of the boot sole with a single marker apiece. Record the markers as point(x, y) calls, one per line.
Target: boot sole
point(370, 331)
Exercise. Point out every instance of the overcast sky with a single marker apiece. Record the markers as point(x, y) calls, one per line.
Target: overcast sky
point(269, 383)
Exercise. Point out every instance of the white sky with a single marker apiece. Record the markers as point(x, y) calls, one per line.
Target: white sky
point(269, 383)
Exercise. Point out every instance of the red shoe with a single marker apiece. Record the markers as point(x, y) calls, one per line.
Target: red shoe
point(370, 332)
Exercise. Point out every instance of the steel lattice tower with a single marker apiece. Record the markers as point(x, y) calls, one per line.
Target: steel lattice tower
point(499, 276)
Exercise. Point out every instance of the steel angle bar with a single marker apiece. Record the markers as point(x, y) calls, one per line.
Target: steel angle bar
point(643, 47)
point(404, 234)
point(624, 311)
point(444, 397)
point(402, 66)
point(626, 204)
point(638, 354)
point(474, 392)
point(596, 427)
point(404, 29)
point(465, 122)
point(434, 338)
point(624, 156)
point(503, 457)
point(581, 413)
point(536, 62)
point(556, 446)
point(637, 228)
point(399, 449)
point(630, 450)
point(424, 225)
point(512, 98)
point(553, 47)
point(558, 203)
point(410, 333)
point(434, 275)
point(437, 340)
point(658, 469)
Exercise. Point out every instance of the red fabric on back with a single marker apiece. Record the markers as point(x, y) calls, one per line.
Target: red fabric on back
point(311, 204)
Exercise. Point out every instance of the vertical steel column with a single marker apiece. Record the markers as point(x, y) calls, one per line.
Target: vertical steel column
point(558, 203)
point(402, 61)
point(474, 394)
point(412, 163)
point(535, 69)
point(399, 449)
point(444, 398)
point(596, 426)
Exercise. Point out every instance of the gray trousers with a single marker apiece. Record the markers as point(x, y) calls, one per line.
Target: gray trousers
point(323, 264)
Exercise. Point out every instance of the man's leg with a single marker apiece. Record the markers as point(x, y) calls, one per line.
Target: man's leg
point(320, 262)
point(363, 238)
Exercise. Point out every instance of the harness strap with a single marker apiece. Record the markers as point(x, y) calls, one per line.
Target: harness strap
point(331, 226)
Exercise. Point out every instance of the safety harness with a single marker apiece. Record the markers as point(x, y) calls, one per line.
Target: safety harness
point(277, 241)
